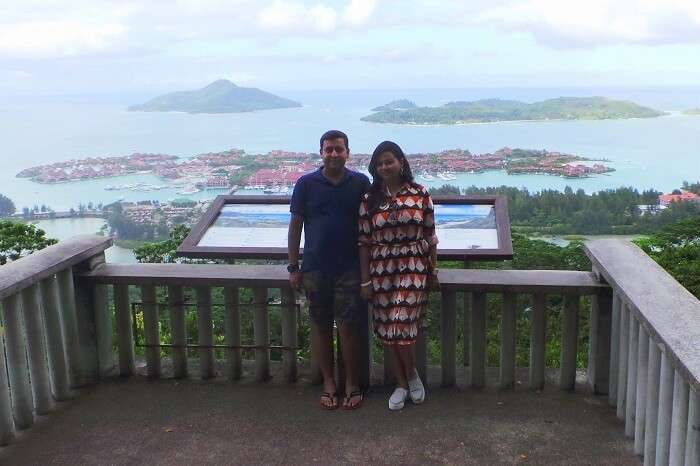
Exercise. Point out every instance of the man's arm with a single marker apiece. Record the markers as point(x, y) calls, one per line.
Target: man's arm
point(293, 240)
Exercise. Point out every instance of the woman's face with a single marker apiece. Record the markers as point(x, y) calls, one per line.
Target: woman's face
point(388, 167)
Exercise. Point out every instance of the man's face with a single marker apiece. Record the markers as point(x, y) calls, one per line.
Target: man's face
point(334, 153)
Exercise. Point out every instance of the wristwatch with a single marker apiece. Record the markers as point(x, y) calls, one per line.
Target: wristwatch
point(291, 268)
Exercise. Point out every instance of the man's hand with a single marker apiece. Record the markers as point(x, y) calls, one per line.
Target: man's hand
point(295, 280)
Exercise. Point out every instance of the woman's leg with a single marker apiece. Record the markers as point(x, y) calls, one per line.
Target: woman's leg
point(408, 363)
point(397, 366)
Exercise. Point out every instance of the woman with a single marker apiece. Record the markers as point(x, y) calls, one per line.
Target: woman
point(397, 256)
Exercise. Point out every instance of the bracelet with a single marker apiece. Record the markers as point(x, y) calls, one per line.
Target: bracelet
point(367, 283)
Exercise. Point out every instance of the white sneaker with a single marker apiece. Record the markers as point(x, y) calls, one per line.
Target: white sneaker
point(416, 390)
point(398, 398)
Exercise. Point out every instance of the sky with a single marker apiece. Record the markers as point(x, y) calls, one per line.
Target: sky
point(107, 46)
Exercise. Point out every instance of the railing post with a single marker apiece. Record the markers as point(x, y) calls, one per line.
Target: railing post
point(614, 351)
point(178, 331)
point(538, 340)
point(679, 421)
point(692, 439)
point(261, 330)
point(508, 324)
point(204, 329)
point(54, 339)
point(69, 318)
point(6, 422)
point(663, 434)
point(150, 329)
point(599, 342)
point(623, 359)
point(477, 352)
point(569, 336)
point(448, 340)
point(125, 336)
point(232, 318)
point(289, 334)
point(17, 362)
point(104, 330)
point(632, 376)
point(467, 325)
point(640, 397)
point(86, 311)
point(652, 398)
point(36, 351)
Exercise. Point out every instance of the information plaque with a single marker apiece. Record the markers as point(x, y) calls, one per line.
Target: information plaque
point(255, 227)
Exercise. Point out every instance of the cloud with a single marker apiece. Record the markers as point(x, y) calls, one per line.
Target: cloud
point(578, 23)
point(43, 39)
point(358, 12)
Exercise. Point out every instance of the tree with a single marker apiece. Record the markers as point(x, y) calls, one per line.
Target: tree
point(677, 249)
point(163, 251)
point(20, 239)
point(7, 207)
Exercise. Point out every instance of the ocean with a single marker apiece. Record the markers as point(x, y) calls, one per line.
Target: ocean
point(659, 153)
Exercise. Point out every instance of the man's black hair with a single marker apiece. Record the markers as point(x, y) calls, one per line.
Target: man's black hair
point(334, 134)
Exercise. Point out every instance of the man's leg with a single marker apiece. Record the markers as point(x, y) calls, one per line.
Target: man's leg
point(321, 313)
point(322, 335)
point(349, 341)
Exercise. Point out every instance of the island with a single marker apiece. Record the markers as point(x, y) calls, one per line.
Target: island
point(692, 111)
point(494, 110)
point(401, 104)
point(275, 172)
point(221, 96)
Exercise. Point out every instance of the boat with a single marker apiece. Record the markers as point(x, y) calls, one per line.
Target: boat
point(190, 189)
point(427, 176)
point(271, 190)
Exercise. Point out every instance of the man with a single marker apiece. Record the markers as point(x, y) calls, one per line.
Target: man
point(326, 204)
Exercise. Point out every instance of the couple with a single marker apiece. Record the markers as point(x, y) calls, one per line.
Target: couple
point(364, 242)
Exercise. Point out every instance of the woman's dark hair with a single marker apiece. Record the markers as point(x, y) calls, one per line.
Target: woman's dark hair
point(376, 193)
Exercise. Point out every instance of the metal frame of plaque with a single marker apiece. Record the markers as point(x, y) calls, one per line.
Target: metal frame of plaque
point(469, 228)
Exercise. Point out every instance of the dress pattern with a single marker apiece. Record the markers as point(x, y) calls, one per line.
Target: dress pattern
point(399, 235)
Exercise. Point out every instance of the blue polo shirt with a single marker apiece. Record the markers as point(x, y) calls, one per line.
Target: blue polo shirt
point(330, 214)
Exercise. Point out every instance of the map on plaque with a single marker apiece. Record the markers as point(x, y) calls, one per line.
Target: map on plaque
point(256, 227)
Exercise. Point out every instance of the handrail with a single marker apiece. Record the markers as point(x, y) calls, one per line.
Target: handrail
point(32, 269)
point(276, 276)
point(669, 312)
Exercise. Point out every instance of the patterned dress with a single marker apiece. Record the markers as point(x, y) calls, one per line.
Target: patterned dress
point(399, 235)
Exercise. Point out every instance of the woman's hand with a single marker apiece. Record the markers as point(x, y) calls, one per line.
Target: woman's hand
point(366, 292)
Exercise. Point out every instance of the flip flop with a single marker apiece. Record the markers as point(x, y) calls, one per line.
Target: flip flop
point(331, 396)
point(351, 395)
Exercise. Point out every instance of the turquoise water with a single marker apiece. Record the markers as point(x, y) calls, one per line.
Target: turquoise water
point(658, 153)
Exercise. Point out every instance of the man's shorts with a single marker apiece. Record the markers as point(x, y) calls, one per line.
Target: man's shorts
point(335, 297)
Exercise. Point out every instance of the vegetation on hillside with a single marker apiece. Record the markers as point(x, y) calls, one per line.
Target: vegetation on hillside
point(492, 110)
point(221, 96)
point(612, 211)
point(20, 239)
point(7, 207)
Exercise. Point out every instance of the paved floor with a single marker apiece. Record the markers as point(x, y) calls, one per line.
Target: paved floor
point(137, 421)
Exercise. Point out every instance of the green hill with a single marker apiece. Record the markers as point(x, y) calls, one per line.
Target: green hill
point(221, 96)
point(493, 110)
point(400, 104)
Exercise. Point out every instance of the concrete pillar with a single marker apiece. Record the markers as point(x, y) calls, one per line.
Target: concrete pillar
point(36, 350)
point(679, 421)
point(448, 339)
point(663, 432)
point(641, 395)
point(150, 330)
point(652, 399)
point(261, 329)
point(125, 336)
point(289, 334)
point(58, 370)
point(205, 332)
point(622, 362)
point(477, 352)
point(614, 350)
point(178, 330)
point(538, 341)
point(232, 318)
point(569, 340)
point(508, 324)
point(631, 376)
point(70, 326)
point(17, 369)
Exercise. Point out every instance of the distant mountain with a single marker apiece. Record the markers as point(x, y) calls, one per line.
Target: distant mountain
point(401, 104)
point(692, 111)
point(492, 110)
point(221, 96)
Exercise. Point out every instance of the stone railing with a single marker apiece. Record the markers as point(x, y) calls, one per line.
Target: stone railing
point(46, 327)
point(655, 354)
point(60, 295)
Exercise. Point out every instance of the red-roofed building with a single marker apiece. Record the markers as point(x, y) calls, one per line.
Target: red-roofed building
point(684, 196)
